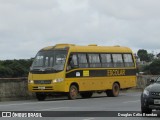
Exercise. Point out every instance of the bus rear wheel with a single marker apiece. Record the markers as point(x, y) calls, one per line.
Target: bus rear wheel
point(73, 92)
point(86, 94)
point(114, 92)
point(41, 96)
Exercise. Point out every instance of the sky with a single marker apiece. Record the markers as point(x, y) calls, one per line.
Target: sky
point(26, 26)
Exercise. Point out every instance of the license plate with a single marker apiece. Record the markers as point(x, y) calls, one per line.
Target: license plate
point(156, 101)
point(41, 88)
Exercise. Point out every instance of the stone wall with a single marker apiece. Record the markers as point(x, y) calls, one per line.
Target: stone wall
point(14, 89)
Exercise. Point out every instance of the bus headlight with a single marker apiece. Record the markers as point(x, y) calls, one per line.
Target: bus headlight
point(30, 81)
point(57, 80)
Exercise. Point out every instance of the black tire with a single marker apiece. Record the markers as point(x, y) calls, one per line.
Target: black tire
point(144, 106)
point(146, 110)
point(114, 92)
point(73, 92)
point(41, 96)
point(86, 94)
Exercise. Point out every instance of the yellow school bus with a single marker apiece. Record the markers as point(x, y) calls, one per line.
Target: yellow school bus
point(68, 69)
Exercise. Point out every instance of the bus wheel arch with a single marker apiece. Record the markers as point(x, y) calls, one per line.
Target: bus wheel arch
point(114, 92)
point(73, 91)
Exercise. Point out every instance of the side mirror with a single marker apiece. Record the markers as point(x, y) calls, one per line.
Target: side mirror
point(152, 81)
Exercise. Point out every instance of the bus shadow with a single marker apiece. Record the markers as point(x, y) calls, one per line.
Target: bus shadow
point(63, 98)
point(95, 96)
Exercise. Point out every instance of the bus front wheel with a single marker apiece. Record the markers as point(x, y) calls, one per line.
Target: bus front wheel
point(114, 92)
point(73, 92)
point(41, 96)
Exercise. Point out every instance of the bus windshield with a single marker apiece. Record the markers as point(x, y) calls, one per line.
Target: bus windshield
point(51, 60)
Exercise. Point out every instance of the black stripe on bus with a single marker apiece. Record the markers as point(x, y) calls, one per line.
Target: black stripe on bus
point(101, 73)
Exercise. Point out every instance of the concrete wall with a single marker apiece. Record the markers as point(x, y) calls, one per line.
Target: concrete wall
point(144, 80)
point(16, 88)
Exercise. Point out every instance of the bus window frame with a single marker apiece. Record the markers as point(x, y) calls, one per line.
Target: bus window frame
point(133, 61)
point(100, 58)
point(100, 63)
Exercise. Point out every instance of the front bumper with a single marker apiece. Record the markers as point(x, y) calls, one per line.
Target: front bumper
point(154, 107)
point(148, 102)
point(57, 87)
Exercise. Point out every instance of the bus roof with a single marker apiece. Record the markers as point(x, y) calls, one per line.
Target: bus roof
point(90, 48)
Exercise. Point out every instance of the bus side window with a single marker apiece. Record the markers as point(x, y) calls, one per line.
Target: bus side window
point(72, 62)
point(106, 60)
point(117, 60)
point(82, 58)
point(94, 60)
point(128, 60)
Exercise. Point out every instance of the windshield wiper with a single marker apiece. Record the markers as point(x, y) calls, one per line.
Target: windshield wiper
point(35, 68)
point(50, 69)
point(44, 70)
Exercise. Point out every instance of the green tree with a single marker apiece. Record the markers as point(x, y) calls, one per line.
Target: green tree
point(158, 55)
point(15, 68)
point(5, 72)
point(150, 57)
point(154, 67)
point(143, 55)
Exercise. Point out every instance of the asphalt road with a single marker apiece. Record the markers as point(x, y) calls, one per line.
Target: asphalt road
point(96, 108)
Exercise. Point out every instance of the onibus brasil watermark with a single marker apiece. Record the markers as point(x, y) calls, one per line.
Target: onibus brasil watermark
point(21, 114)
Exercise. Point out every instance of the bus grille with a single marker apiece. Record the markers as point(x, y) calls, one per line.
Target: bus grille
point(42, 81)
point(155, 93)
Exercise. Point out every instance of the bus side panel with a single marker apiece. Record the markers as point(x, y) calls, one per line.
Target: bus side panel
point(100, 83)
point(126, 81)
